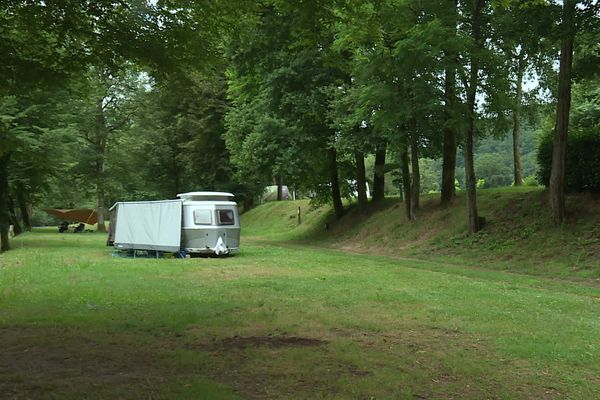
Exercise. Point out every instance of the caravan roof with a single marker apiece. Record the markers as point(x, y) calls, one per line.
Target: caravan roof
point(206, 196)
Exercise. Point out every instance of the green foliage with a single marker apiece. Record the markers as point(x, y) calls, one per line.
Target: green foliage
point(14, 130)
point(530, 180)
point(36, 137)
point(279, 84)
point(582, 163)
point(583, 146)
point(495, 152)
point(235, 94)
point(176, 142)
point(492, 169)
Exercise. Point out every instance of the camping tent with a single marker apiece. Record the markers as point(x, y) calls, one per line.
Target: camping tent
point(84, 215)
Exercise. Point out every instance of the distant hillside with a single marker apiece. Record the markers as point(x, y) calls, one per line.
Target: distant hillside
point(517, 236)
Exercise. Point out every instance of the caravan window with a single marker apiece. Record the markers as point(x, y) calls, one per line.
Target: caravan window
point(225, 217)
point(202, 217)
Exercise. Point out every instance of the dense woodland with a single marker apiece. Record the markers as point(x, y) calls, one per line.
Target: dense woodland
point(137, 100)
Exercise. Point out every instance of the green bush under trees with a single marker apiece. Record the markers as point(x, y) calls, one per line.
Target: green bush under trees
point(582, 164)
point(583, 145)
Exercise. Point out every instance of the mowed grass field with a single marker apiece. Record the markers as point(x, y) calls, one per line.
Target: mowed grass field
point(517, 237)
point(285, 321)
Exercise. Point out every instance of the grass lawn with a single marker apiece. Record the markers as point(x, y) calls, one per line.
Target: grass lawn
point(285, 322)
point(517, 237)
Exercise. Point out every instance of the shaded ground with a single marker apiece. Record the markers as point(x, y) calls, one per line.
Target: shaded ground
point(59, 364)
point(46, 363)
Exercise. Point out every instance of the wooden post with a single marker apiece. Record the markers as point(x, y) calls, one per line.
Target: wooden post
point(299, 216)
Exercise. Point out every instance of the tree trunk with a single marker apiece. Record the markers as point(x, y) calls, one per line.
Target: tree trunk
point(379, 173)
point(12, 216)
point(448, 166)
point(449, 146)
point(471, 183)
point(279, 183)
point(336, 195)
point(517, 121)
point(406, 182)
point(4, 214)
point(557, 175)
point(248, 203)
point(100, 150)
point(361, 181)
point(176, 178)
point(24, 207)
point(100, 209)
point(174, 169)
point(416, 174)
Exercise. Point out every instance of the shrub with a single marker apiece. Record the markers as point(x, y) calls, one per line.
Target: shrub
point(582, 162)
point(530, 180)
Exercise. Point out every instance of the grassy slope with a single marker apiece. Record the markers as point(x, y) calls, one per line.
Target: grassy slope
point(517, 237)
point(285, 321)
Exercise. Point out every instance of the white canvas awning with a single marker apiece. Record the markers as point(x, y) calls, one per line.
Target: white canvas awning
point(148, 225)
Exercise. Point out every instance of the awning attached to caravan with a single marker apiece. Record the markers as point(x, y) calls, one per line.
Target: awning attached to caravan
point(148, 225)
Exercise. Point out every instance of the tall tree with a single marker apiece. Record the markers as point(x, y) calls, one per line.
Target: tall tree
point(416, 174)
point(40, 59)
point(105, 105)
point(353, 136)
point(379, 172)
point(4, 213)
point(526, 42)
point(471, 91)
point(56, 40)
point(179, 135)
point(450, 20)
point(49, 43)
point(557, 175)
point(279, 88)
point(396, 52)
point(516, 133)
point(361, 181)
point(406, 184)
point(20, 138)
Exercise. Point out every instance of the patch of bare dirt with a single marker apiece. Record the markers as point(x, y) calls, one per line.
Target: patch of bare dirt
point(48, 362)
point(242, 342)
point(268, 372)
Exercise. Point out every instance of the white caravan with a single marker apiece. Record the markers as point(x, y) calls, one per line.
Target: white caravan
point(197, 223)
point(211, 223)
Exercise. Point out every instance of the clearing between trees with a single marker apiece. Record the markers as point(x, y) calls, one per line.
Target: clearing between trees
point(517, 237)
point(293, 320)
